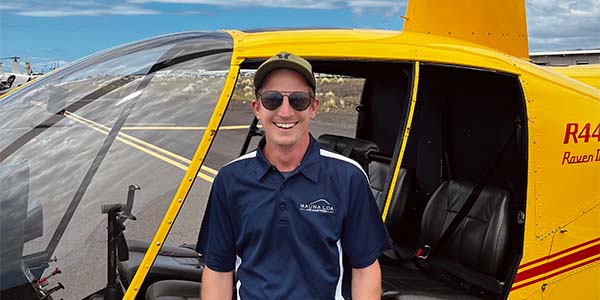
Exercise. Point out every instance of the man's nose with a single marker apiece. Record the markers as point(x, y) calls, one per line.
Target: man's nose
point(286, 109)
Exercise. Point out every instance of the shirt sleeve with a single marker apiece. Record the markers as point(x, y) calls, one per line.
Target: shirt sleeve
point(364, 236)
point(203, 234)
point(217, 239)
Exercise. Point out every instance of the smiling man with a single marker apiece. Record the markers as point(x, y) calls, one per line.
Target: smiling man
point(294, 221)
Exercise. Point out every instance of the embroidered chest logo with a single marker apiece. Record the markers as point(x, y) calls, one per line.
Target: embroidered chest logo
point(318, 206)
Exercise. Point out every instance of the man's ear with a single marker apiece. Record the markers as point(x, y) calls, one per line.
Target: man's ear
point(255, 106)
point(314, 107)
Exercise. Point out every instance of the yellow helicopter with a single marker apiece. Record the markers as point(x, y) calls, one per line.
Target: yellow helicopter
point(449, 111)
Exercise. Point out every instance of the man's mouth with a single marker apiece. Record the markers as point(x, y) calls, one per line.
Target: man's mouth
point(285, 125)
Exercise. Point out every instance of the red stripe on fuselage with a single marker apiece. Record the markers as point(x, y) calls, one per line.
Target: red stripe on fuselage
point(559, 263)
point(558, 253)
point(556, 274)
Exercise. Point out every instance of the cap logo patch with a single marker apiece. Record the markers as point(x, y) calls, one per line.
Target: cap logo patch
point(283, 55)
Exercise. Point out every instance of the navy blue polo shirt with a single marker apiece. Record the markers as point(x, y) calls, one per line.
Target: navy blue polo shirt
point(293, 237)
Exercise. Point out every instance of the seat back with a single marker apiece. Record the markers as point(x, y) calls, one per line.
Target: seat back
point(359, 150)
point(355, 149)
point(379, 174)
point(378, 177)
point(402, 200)
point(11, 79)
point(480, 242)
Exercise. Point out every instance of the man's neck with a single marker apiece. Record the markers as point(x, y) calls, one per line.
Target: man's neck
point(286, 159)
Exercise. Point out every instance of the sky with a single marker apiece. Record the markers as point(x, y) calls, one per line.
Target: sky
point(50, 32)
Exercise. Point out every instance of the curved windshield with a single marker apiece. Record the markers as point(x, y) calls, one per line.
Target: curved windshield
point(78, 138)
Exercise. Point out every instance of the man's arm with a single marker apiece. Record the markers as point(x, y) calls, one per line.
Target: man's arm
point(366, 282)
point(217, 285)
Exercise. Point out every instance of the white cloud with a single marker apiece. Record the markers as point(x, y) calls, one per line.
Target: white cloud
point(356, 6)
point(357, 10)
point(136, 7)
point(11, 6)
point(383, 7)
point(552, 24)
point(39, 8)
point(66, 8)
point(119, 10)
point(563, 25)
point(302, 4)
point(374, 3)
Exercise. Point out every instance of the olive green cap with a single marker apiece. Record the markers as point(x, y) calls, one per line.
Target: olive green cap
point(285, 60)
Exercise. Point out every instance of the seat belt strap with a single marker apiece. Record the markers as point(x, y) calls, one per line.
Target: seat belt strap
point(428, 250)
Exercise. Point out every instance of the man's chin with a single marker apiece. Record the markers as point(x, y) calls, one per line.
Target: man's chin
point(283, 141)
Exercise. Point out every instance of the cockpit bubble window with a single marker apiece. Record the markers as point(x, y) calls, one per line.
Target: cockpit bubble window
point(76, 139)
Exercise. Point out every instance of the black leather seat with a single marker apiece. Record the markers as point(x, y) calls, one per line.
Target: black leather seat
point(379, 174)
point(481, 241)
point(178, 290)
point(412, 284)
point(378, 177)
point(359, 151)
point(180, 263)
point(473, 255)
point(353, 148)
point(174, 290)
point(401, 200)
point(8, 83)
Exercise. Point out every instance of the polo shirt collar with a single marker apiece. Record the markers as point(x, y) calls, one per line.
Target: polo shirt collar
point(309, 166)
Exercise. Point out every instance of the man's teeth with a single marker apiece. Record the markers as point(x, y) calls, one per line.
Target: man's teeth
point(285, 125)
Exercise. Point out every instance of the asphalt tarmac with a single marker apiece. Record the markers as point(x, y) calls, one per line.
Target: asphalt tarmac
point(154, 156)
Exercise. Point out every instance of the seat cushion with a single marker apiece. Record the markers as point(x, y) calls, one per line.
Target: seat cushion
point(180, 263)
point(174, 290)
point(185, 250)
point(480, 242)
point(441, 294)
point(164, 267)
point(406, 283)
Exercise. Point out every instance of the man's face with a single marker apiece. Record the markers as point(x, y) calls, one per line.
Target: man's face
point(285, 126)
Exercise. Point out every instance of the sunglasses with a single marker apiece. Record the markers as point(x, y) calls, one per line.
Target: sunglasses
point(299, 101)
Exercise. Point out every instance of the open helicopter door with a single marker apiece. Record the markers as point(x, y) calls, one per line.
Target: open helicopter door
point(461, 118)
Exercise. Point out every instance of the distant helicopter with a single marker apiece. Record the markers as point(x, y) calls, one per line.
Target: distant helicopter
point(15, 78)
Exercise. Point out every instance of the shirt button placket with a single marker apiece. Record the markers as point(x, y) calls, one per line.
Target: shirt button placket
point(282, 205)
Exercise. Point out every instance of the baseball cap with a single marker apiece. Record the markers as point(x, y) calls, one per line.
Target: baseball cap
point(285, 60)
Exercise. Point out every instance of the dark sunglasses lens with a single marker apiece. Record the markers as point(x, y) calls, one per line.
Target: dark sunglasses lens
point(271, 100)
point(300, 100)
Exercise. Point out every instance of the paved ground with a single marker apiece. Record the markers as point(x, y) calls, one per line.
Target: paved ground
point(155, 157)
